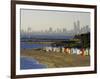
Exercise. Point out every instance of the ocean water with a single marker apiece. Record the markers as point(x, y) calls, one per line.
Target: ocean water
point(29, 63)
point(44, 38)
point(31, 46)
point(48, 36)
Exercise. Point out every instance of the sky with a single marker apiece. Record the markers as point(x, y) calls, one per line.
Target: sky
point(39, 20)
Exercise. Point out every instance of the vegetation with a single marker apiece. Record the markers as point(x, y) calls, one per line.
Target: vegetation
point(85, 40)
point(79, 41)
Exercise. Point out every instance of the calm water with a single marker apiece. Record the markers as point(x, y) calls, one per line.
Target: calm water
point(25, 45)
point(28, 63)
point(31, 46)
point(48, 36)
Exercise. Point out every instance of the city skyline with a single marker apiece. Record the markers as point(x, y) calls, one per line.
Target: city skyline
point(40, 20)
point(63, 31)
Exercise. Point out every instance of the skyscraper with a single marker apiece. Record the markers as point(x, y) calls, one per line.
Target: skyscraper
point(50, 29)
point(77, 27)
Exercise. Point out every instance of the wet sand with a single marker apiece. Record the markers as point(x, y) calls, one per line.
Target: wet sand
point(56, 59)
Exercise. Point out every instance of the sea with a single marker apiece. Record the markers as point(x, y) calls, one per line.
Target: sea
point(30, 63)
point(25, 45)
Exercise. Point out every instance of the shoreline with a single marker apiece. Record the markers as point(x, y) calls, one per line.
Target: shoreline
point(30, 63)
point(56, 59)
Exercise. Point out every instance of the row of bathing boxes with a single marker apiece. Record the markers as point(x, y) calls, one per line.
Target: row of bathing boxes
point(77, 51)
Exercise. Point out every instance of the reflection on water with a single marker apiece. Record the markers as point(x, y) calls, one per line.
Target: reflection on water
point(28, 63)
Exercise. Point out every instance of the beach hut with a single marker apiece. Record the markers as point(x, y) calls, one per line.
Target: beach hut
point(82, 51)
point(87, 52)
point(78, 51)
point(48, 49)
point(67, 50)
point(56, 49)
point(62, 50)
point(73, 50)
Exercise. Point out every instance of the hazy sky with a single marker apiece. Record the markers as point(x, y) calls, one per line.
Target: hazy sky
point(44, 19)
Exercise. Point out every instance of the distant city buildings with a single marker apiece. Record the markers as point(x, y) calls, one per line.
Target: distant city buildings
point(77, 29)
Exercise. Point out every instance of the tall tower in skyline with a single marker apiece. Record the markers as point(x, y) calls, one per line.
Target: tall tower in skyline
point(77, 27)
point(50, 29)
point(29, 29)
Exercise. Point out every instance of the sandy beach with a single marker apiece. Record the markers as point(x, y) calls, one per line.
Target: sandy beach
point(56, 59)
